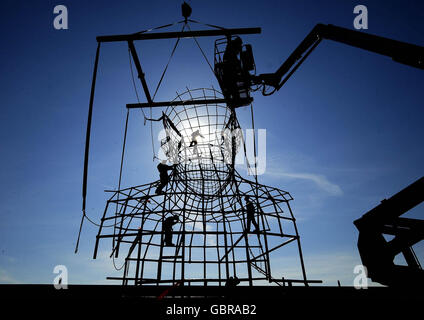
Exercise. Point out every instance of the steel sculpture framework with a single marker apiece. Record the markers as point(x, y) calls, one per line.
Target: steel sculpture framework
point(205, 191)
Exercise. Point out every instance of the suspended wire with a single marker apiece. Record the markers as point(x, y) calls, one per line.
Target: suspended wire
point(126, 122)
point(169, 61)
point(120, 174)
point(87, 144)
point(120, 171)
point(166, 68)
point(252, 117)
point(254, 143)
point(138, 100)
point(160, 27)
point(158, 85)
point(201, 50)
point(92, 222)
point(207, 24)
point(114, 265)
point(133, 81)
point(160, 81)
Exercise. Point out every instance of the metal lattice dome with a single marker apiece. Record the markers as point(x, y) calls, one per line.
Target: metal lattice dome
point(205, 164)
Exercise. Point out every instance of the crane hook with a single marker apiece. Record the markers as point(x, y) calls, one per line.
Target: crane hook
point(185, 10)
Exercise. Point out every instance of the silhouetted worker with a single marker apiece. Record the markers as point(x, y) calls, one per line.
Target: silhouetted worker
point(166, 124)
point(232, 52)
point(167, 225)
point(193, 142)
point(232, 67)
point(250, 211)
point(232, 282)
point(194, 136)
point(163, 175)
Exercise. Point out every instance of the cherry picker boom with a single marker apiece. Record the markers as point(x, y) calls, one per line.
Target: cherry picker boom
point(235, 68)
point(236, 82)
point(377, 254)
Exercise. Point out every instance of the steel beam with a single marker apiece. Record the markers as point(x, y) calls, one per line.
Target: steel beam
point(180, 103)
point(183, 34)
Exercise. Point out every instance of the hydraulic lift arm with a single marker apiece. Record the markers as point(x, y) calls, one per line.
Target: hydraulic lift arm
point(402, 52)
point(378, 254)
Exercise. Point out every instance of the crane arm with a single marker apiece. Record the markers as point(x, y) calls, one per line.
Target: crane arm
point(402, 52)
point(378, 254)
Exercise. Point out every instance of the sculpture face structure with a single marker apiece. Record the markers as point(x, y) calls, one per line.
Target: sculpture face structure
point(202, 144)
point(213, 239)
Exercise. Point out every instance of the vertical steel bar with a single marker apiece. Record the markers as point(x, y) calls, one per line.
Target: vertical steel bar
point(299, 246)
point(87, 142)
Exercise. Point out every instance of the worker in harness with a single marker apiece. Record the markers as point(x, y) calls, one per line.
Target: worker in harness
point(232, 282)
point(193, 142)
point(163, 169)
point(232, 67)
point(167, 225)
point(250, 211)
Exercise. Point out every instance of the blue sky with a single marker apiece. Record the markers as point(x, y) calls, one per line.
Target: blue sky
point(344, 133)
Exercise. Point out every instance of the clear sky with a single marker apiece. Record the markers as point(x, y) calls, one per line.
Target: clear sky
point(344, 133)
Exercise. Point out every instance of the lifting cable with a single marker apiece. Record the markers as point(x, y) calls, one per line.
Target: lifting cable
point(157, 86)
point(207, 24)
point(126, 126)
point(160, 27)
point(256, 161)
point(90, 113)
point(138, 100)
point(203, 53)
point(114, 264)
point(87, 144)
point(166, 67)
point(120, 174)
point(169, 61)
point(254, 143)
point(251, 105)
